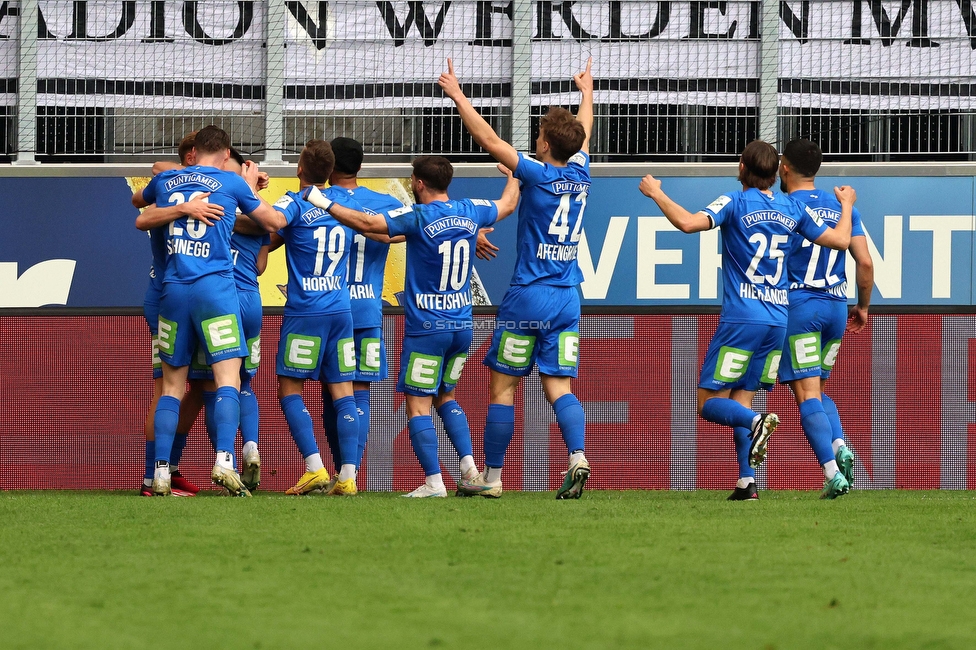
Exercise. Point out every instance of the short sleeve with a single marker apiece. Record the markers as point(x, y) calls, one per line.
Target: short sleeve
point(246, 199)
point(580, 159)
point(857, 228)
point(401, 221)
point(529, 170)
point(287, 206)
point(810, 225)
point(149, 191)
point(486, 212)
point(719, 210)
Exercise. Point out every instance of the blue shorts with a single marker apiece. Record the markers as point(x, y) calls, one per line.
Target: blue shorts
point(432, 363)
point(150, 311)
point(742, 355)
point(813, 333)
point(205, 313)
point(318, 347)
point(370, 355)
point(251, 320)
point(536, 324)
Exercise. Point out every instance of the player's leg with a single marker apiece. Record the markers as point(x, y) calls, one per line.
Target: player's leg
point(370, 367)
point(165, 419)
point(843, 454)
point(190, 407)
point(250, 413)
point(329, 424)
point(338, 370)
point(360, 390)
point(452, 415)
point(421, 371)
point(300, 358)
point(227, 417)
point(147, 478)
point(554, 315)
point(742, 438)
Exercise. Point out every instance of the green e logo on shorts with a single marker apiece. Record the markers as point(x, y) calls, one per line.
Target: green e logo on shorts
point(369, 355)
point(771, 369)
point(569, 349)
point(423, 371)
point(302, 352)
point(253, 359)
point(347, 355)
point(221, 333)
point(732, 364)
point(831, 350)
point(516, 350)
point(454, 367)
point(805, 350)
point(166, 335)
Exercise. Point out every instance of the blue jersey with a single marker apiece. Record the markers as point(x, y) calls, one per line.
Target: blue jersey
point(367, 262)
point(756, 239)
point(441, 238)
point(812, 267)
point(550, 220)
point(194, 249)
point(317, 253)
point(245, 250)
point(157, 244)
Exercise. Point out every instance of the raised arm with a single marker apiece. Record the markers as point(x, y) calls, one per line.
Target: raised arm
point(476, 125)
point(265, 215)
point(154, 216)
point(839, 237)
point(361, 221)
point(510, 195)
point(584, 81)
point(864, 275)
point(679, 217)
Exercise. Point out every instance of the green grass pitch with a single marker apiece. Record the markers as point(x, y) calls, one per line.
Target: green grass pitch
point(892, 569)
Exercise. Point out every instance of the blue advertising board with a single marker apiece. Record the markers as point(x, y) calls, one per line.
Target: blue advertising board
point(71, 241)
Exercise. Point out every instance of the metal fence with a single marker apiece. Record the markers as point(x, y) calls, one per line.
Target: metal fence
point(111, 80)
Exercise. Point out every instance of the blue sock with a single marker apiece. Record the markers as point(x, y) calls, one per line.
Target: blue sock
point(456, 425)
point(836, 428)
point(722, 410)
point(347, 428)
point(209, 404)
point(816, 427)
point(150, 459)
point(227, 417)
point(249, 413)
point(571, 421)
point(423, 437)
point(499, 429)
point(164, 426)
point(743, 440)
point(179, 444)
point(299, 424)
point(362, 403)
point(329, 423)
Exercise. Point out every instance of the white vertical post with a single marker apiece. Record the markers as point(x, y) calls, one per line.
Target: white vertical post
point(274, 82)
point(27, 85)
point(521, 73)
point(769, 71)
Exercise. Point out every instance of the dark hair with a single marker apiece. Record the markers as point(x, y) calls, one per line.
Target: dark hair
point(186, 146)
point(435, 171)
point(804, 157)
point(317, 161)
point(348, 155)
point(760, 162)
point(236, 155)
point(563, 132)
point(211, 139)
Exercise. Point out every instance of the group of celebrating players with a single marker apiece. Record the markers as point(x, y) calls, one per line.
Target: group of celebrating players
point(211, 233)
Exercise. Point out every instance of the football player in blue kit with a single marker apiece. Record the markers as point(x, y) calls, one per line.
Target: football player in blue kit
point(317, 340)
point(441, 234)
point(818, 315)
point(367, 265)
point(199, 302)
point(555, 186)
point(743, 356)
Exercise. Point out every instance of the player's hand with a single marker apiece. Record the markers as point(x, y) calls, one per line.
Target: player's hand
point(505, 170)
point(845, 194)
point(584, 79)
point(250, 173)
point(263, 180)
point(650, 186)
point(200, 209)
point(857, 320)
point(484, 249)
point(449, 83)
